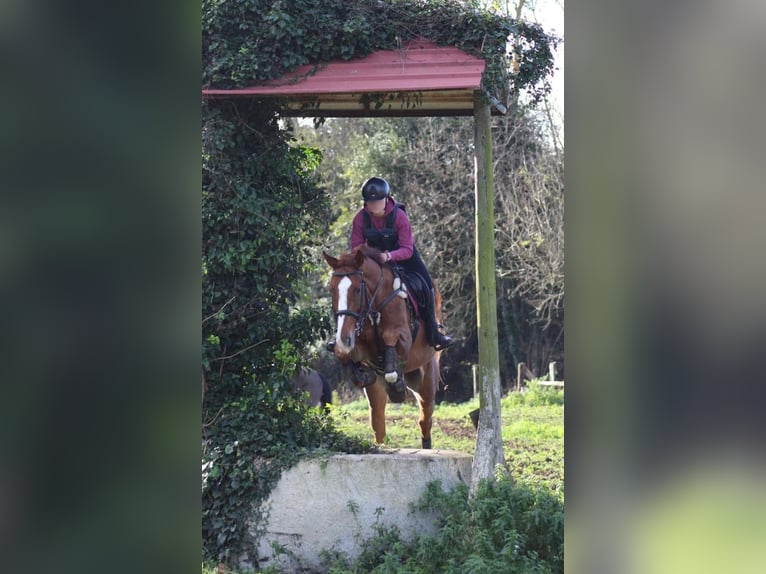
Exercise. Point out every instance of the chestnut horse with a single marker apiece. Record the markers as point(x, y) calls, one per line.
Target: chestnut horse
point(374, 334)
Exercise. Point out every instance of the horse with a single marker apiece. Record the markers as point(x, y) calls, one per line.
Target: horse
point(311, 381)
point(375, 335)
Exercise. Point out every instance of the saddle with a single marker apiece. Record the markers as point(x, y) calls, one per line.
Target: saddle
point(418, 294)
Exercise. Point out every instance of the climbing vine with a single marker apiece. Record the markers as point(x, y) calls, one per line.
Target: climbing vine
point(249, 41)
point(261, 212)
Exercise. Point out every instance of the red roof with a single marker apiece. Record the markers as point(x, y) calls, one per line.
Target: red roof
point(433, 79)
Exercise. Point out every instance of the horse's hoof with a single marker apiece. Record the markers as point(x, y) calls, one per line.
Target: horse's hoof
point(427, 444)
point(391, 377)
point(394, 395)
point(362, 377)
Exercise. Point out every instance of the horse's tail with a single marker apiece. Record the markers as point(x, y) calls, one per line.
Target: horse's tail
point(326, 398)
point(440, 384)
point(437, 301)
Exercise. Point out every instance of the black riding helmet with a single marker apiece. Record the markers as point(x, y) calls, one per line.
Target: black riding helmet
point(375, 188)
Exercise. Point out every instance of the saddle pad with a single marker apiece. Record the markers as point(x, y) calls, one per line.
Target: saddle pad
point(417, 290)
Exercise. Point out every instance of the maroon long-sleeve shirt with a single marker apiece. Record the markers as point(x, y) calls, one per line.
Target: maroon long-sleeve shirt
point(401, 224)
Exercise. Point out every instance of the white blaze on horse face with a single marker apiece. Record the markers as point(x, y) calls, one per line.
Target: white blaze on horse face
point(343, 288)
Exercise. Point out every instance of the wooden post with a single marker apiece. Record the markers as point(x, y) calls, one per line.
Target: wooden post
point(551, 371)
point(519, 375)
point(475, 373)
point(489, 445)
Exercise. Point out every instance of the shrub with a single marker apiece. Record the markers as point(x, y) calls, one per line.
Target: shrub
point(505, 527)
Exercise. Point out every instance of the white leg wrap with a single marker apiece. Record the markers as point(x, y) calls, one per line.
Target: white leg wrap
point(391, 377)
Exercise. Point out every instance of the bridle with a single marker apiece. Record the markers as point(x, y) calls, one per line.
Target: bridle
point(365, 301)
point(363, 313)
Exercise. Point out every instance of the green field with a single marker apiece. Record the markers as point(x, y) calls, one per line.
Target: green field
point(532, 430)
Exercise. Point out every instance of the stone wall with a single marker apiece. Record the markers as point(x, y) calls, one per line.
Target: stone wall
point(333, 503)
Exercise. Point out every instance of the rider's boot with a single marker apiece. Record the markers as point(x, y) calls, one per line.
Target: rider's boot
point(436, 338)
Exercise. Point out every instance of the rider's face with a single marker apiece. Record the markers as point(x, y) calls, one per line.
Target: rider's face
point(377, 206)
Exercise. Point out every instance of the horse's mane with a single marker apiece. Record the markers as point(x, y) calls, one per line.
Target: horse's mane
point(371, 253)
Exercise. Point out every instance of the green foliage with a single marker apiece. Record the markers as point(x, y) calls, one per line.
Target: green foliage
point(537, 395)
point(503, 528)
point(254, 439)
point(261, 214)
point(245, 41)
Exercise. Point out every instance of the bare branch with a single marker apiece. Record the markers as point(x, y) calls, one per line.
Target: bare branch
point(206, 319)
point(238, 352)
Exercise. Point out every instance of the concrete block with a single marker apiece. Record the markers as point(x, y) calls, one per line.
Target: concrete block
point(333, 503)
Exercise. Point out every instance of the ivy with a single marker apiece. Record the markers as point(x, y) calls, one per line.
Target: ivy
point(261, 212)
point(256, 437)
point(250, 41)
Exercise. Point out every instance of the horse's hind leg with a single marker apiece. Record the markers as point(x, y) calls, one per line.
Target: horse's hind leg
point(377, 399)
point(430, 383)
point(422, 380)
point(425, 421)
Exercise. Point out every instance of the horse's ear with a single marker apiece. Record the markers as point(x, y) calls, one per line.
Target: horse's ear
point(359, 258)
point(331, 261)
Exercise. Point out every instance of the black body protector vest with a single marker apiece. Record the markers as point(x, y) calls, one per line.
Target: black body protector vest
point(387, 238)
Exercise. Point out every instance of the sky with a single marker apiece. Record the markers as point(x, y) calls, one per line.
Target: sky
point(550, 14)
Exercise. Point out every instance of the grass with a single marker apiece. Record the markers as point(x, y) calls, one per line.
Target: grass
point(532, 431)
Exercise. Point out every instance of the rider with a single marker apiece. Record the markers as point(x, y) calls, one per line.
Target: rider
point(383, 224)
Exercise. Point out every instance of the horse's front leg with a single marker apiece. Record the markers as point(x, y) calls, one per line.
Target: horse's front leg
point(389, 364)
point(377, 399)
point(395, 351)
point(393, 375)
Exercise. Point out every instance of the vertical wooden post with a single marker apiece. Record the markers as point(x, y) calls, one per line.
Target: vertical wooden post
point(551, 371)
point(489, 445)
point(519, 374)
point(475, 373)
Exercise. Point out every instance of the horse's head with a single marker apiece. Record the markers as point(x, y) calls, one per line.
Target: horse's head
point(348, 289)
